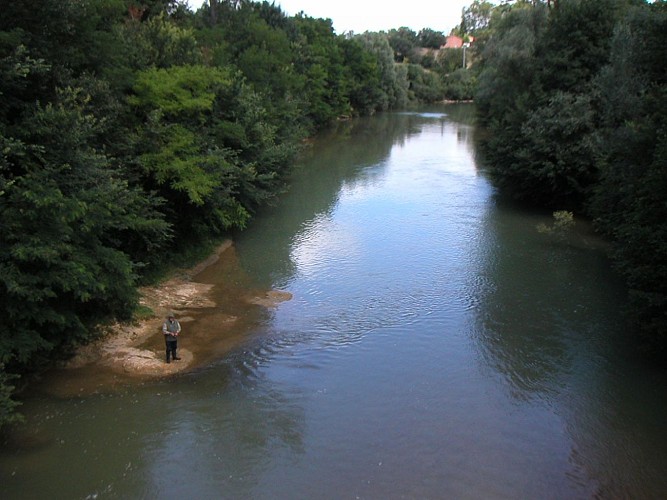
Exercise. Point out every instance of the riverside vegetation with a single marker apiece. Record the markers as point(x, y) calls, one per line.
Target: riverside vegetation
point(135, 132)
point(574, 99)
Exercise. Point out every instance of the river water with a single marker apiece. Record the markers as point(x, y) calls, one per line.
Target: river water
point(437, 345)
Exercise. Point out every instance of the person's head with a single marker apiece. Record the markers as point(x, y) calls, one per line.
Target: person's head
point(171, 316)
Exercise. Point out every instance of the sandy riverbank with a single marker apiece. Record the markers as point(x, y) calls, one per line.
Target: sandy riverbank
point(137, 350)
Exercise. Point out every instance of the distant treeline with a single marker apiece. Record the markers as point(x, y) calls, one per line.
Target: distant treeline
point(134, 130)
point(573, 94)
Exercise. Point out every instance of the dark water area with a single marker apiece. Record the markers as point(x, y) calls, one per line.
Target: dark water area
point(437, 345)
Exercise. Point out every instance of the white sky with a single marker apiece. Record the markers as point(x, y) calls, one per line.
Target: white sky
point(376, 15)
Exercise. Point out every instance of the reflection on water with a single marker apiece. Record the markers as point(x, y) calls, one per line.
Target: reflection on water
point(436, 346)
point(538, 306)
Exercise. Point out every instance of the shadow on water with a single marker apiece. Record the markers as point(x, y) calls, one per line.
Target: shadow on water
point(544, 302)
point(224, 437)
point(557, 337)
point(185, 437)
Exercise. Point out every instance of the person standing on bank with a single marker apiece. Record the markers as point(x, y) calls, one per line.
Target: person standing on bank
point(171, 328)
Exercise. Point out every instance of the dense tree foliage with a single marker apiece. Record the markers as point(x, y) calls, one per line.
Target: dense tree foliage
point(476, 19)
point(430, 39)
point(629, 200)
point(394, 82)
point(573, 96)
point(403, 42)
point(132, 131)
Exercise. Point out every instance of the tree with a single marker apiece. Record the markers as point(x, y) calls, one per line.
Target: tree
point(536, 97)
point(402, 41)
point(362, 78)
point(629, 200)
point(575, 44)
point(475, 18)
point(320, 60)
point(459, 85)
point(394, 82)
point(8, 406)
point(555, 166)
point(448, 60)
point(155, 42)
point(508, 65)
point(176, 156)
point(431, 39)
point(264, 56)
point(66, 218)
point(425, 85)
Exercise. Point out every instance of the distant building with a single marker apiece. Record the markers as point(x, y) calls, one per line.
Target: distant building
point(453, 42)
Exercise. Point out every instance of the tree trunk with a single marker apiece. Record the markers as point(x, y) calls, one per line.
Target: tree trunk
point(213, 7)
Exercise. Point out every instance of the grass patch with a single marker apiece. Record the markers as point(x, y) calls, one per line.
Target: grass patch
point(142, 312)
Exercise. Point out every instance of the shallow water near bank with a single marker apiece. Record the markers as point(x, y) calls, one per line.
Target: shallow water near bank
point(436, 346)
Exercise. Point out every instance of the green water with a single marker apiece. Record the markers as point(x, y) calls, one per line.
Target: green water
point(436, 346)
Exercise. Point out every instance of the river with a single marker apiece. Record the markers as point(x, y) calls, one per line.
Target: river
point(437, 345)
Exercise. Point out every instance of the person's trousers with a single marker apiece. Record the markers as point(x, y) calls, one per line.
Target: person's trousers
point(171, 348)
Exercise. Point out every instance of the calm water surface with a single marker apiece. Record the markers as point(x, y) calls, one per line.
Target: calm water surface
point(436, 346)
